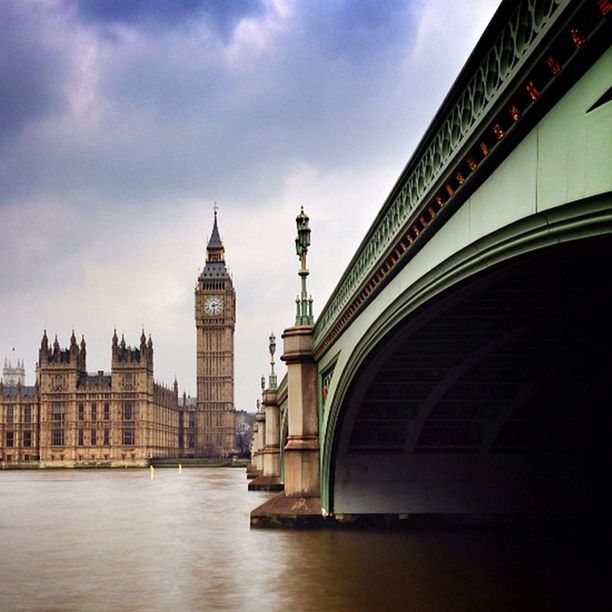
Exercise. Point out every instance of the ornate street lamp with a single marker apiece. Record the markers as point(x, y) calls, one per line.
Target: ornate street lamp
point(272, 348)
point(302, 242)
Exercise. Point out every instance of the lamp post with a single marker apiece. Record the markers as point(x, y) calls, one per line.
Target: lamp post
point(272, 348)
point(302, 242)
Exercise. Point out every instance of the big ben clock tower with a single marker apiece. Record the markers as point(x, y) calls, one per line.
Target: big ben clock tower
point(215, 318)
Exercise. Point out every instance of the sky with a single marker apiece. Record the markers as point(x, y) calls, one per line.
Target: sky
point(122, 122)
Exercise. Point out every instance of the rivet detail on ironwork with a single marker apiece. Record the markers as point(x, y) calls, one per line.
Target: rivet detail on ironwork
point(498, 131)
point(553, 65)
point(515, 113)
point(533, 91)
point(578, 37)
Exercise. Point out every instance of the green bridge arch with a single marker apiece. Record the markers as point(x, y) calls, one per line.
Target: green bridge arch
point(578, 225)
point(510, 190)
point(521, 208)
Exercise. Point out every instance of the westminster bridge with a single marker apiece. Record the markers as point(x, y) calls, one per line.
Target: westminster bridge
point(461, 365)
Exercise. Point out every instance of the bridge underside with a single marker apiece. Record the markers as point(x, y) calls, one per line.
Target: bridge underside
point(494, 398)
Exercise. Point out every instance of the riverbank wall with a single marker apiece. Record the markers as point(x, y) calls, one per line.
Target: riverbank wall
point(92, 465)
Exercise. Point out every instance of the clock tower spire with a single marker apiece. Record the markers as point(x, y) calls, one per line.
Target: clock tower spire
point(215, 250)
point(215, 318)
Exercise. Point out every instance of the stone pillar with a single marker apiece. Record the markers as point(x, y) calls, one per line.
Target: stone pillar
point(271, 452)
point(302, 472)
point(269, 480)
point(299, 505)
point(252, 466)
point(260, 418)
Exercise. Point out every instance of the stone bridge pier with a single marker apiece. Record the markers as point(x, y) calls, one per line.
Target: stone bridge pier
point(299, 505)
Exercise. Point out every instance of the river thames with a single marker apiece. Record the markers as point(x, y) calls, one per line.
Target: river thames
point(115, 540)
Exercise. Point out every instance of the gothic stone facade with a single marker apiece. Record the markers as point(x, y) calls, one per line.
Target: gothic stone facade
point(73, 418)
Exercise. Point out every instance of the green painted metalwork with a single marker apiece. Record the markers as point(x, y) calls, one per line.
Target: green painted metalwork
point(502, 56)
point(550, 175)
point(578, 220)
point(555, 186)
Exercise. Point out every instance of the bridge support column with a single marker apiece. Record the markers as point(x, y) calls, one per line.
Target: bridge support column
point(260, 419)
point(251, 471)
point(302, 449)
point(258, 446)
point(252, 466)
point(300, 503)
point(269, 480)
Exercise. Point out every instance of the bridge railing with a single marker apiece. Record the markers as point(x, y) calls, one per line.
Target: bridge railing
point(497, 87)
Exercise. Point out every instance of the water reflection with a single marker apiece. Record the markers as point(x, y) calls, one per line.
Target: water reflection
point(114, 540)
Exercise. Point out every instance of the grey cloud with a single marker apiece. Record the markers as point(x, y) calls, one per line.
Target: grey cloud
point(179, 120)
point(32, 71)
point(107, 201)
point(47, 242)
point(221, 15)
point(358, 31)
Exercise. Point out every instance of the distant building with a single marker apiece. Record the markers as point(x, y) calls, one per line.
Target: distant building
point(244, 421)
point(244, 431)
point(13, 375)
point(19, 418)
point(73, 418)
point(188, 406)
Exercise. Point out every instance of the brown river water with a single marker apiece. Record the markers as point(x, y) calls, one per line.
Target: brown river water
point(115, 540)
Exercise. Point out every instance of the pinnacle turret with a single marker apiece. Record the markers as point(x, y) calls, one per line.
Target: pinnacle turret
point(215, 239)
point(13, 374)
point(83, 354)
point(215, 256)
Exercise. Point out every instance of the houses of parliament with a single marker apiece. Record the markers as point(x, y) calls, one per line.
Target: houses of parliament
point(71, 417)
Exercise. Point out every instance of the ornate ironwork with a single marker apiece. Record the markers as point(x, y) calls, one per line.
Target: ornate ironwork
point(401, 220)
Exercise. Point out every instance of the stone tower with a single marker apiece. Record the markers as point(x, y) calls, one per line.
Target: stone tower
point(58, 374)
point(215, 317)
point(13, 374)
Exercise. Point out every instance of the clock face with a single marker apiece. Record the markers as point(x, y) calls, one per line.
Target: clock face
point(213, 305)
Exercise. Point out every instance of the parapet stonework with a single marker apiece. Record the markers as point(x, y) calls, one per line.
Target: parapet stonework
point(72, 418)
